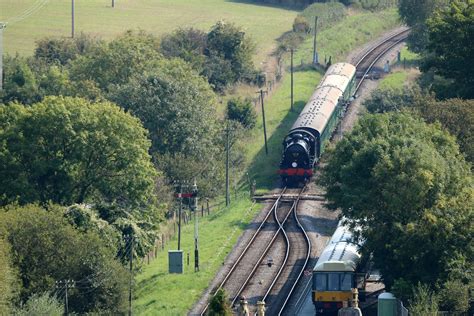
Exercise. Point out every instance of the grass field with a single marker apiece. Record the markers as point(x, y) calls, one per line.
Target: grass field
point(394, 80)
point(161, 293)
point(30, 20)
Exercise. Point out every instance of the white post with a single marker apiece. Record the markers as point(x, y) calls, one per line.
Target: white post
point(2, 27)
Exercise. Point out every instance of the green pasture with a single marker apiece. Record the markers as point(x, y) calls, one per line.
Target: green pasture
point(30, 20)
point(355, 30)
point(393, 80)
point(159, 293)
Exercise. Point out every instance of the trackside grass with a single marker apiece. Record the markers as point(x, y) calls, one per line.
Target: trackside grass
point(42, 18)
point(394, 80)
point(157, 292)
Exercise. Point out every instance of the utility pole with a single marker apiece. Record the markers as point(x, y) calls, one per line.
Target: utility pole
point(227, 149)
point(291, 68)
point(196, 232)
point(2, 27)
point(263, 116)
point(315, 54)
point(131, 240)
point(180, 197)
point(67, 285)
point(72, 18)
point(113, 3)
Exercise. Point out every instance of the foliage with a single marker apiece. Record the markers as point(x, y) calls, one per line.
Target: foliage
point(242, 111)
point(424, 303)
point(230, 43)
point(20, 83)
point(454, 296)
point(45, 249)
point(219, 306)
point(62, 51)
point(68, 150)
point(450, 49)
point(301, 25)
point(8, 279)
point(43, 304)
point(105, 63)
point(456, 115)
point(404, 183)
point(187, 44)
point(177, 107)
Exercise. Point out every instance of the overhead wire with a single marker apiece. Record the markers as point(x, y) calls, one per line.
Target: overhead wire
point(28, 12)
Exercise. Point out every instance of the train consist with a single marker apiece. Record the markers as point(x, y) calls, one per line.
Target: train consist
point(338, 270)
point(305, 142)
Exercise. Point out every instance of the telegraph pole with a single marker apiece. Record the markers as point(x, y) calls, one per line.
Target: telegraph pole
point(72, 18)
point(263, 116)
point(131, 240)
point(67, 285)
point(180, 196)
point(291, 68)
point(315, 54)
point(196, 232)
point(227, 149)
point(2, 27)
point(113, 3)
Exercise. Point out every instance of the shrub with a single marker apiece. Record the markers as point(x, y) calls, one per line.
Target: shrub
point(42, 304)
point(242, 111)
point(301, 25)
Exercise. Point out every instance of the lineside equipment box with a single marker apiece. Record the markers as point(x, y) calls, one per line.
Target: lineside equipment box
point(175, 259)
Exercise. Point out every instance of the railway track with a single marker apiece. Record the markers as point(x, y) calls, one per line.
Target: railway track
point(261, 273)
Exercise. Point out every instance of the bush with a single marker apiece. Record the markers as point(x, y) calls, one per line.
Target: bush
point(328, 14)
point(219, 306)
point(301, 25)
point(424, 303)
point(45, 249)
point(242, 111)
point(43, 304)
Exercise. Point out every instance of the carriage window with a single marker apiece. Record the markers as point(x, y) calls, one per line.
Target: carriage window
point(346, 282)
point(333, 284)
point(321, 281)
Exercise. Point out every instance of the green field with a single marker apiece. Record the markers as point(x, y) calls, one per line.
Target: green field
point(30, 20)
point(394, 80)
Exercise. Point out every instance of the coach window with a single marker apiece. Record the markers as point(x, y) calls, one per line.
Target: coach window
point(333, 282)
point(346, 282)
point(321, 281)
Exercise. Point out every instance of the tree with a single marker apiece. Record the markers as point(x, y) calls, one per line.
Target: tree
point(177, 107)
point(8, 279)
point(20, 82)
point(187, 44)
point(228, 42)
point(242, 111)
point(46, 249)
point(68, 150)
point(450, 49)
point(117, 61)
point(415, 13)
point(406, 186)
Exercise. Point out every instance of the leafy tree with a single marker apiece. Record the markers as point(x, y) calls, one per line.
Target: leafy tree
point(61, 51)
point(415, 13)
point(456, 115)
point(219, 305)
point(177, 107)
point(45, 249)
point(68, 150)
point(228, 42)
point(43, 304)
point(117, 61)
point(451, 32)
point(20, 82)
point(187, 44)
point(404, 183)
point(242, 111)
point(8, 279)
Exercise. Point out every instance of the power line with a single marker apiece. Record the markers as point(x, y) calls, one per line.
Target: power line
point(28, 12)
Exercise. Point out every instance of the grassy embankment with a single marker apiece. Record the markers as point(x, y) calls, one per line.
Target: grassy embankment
point(158, 292)
point(53, 18)
point(402, 73)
